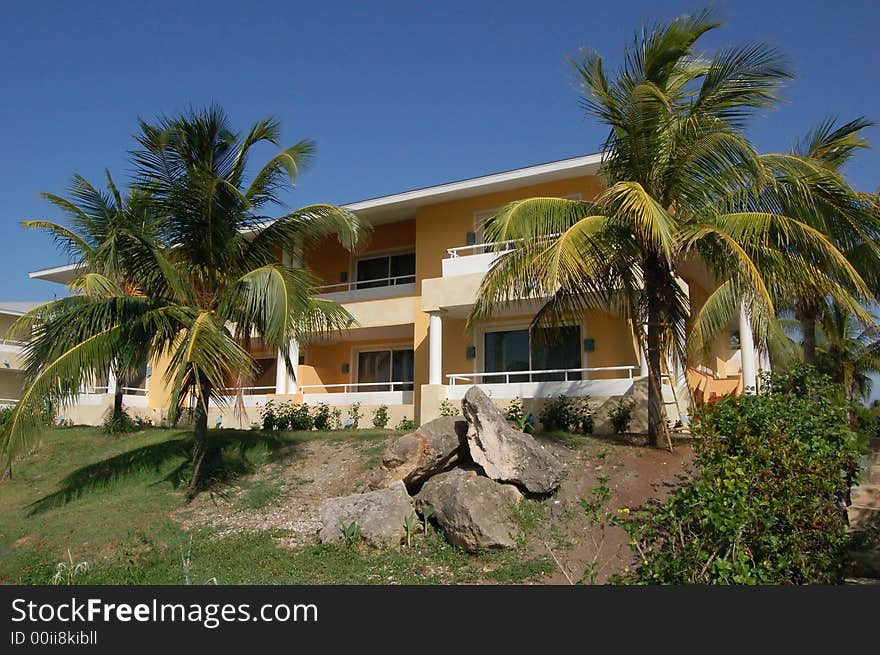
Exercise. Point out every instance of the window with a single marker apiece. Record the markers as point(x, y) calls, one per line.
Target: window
point(377, 368)
point(387, 270)
point(523, 350)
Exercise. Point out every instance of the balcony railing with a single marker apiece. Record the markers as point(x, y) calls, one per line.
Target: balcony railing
point(357, 285)
point(356, 387)
point(13, 342)
point(539, 375)
point(493, 246)
point(249, 391)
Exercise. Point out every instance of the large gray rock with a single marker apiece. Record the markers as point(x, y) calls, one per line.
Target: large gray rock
point(474, 511)
point(504, 453)
point(413, 458)
point(381, 515)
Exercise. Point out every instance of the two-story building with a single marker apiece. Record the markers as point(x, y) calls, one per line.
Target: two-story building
point(410, 291)
point(11, 351)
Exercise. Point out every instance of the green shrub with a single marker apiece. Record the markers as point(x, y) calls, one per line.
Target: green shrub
point(299, 418)
point(354, 416)
point(568, 414)
point(267, 414)
point(621, 415)
point(286, 416)
point(406, 424)
point(380, 417)
point(118, 424)
point(765, 505)
point(321, 416)
point(447, 408)
point(516, 414)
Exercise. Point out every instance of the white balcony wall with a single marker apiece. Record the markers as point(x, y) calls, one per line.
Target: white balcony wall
point(362, 397)
point(573, 388)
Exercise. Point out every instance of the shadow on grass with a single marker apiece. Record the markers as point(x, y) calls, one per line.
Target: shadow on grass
point(227, 458)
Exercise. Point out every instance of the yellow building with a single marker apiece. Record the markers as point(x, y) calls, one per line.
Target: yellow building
point(410, 291)
point(11, 351)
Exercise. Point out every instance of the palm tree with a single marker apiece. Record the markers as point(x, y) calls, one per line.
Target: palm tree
point(847, 350)
point(852, 223)
point(208, 280)
point(93, 238)
point(682, 182)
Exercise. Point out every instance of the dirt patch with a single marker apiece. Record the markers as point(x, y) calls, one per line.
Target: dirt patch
point(305, 474)
point(590, 551)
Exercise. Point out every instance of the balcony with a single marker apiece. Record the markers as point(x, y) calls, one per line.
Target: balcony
point(366, 393)
point(599, 382)
point(12, 353)
point(476, 258)
point(388, 287)
point(131, 396)
point(250, 396)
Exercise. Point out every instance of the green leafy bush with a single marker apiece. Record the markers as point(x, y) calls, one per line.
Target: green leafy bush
point(516, 414)
point(321, 417)
point(447, 408)
point(267, 414)
point(380, 417)
point(406, 424)
point(354, 416)
point(621, 415)
point(574, 415)
point(765, 505)
point(118, 424)
point(286, 416)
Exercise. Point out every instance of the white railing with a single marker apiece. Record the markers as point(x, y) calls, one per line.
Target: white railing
point(493, 246)
point(249, 391)
point(13, 342)
point(482, 248)
point(8, 401)
point(134, 391)
point(355, 387)
point(477, 378)
point(366, 284)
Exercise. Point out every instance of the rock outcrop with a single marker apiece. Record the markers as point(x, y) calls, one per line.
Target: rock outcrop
point(474, 511)
point(504, 453)
point(381, 515)
point(434, 447)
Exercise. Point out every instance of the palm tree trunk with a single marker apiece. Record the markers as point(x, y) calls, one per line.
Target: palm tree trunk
point(117, 404)
point(200, 443)
point(808, 331)
point(657, 435)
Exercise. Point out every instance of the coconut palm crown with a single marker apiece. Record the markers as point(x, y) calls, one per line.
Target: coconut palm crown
point(209, 278)
point(683, 184)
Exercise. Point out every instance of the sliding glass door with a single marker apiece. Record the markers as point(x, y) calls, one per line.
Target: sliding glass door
point(378, 368)
point(508, 351)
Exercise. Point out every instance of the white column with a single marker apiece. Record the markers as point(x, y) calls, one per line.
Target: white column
point(747, 351)
point(280, 375)
point(284, 381)
point(643, 356)
point(294, 360)
point(111, 380)
point(435, 349)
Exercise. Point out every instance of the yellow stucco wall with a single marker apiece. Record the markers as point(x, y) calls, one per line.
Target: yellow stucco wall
point(10, 384)
point(328, 260)
point(323, 362)
point(445, 225)
point(6, 322)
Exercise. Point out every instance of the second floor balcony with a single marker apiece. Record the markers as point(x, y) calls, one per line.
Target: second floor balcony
point(369, 289)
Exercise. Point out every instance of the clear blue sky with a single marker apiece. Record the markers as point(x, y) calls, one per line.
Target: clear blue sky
point(397, 94)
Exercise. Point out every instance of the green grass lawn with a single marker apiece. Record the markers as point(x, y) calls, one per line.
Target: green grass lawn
point(108, 499)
